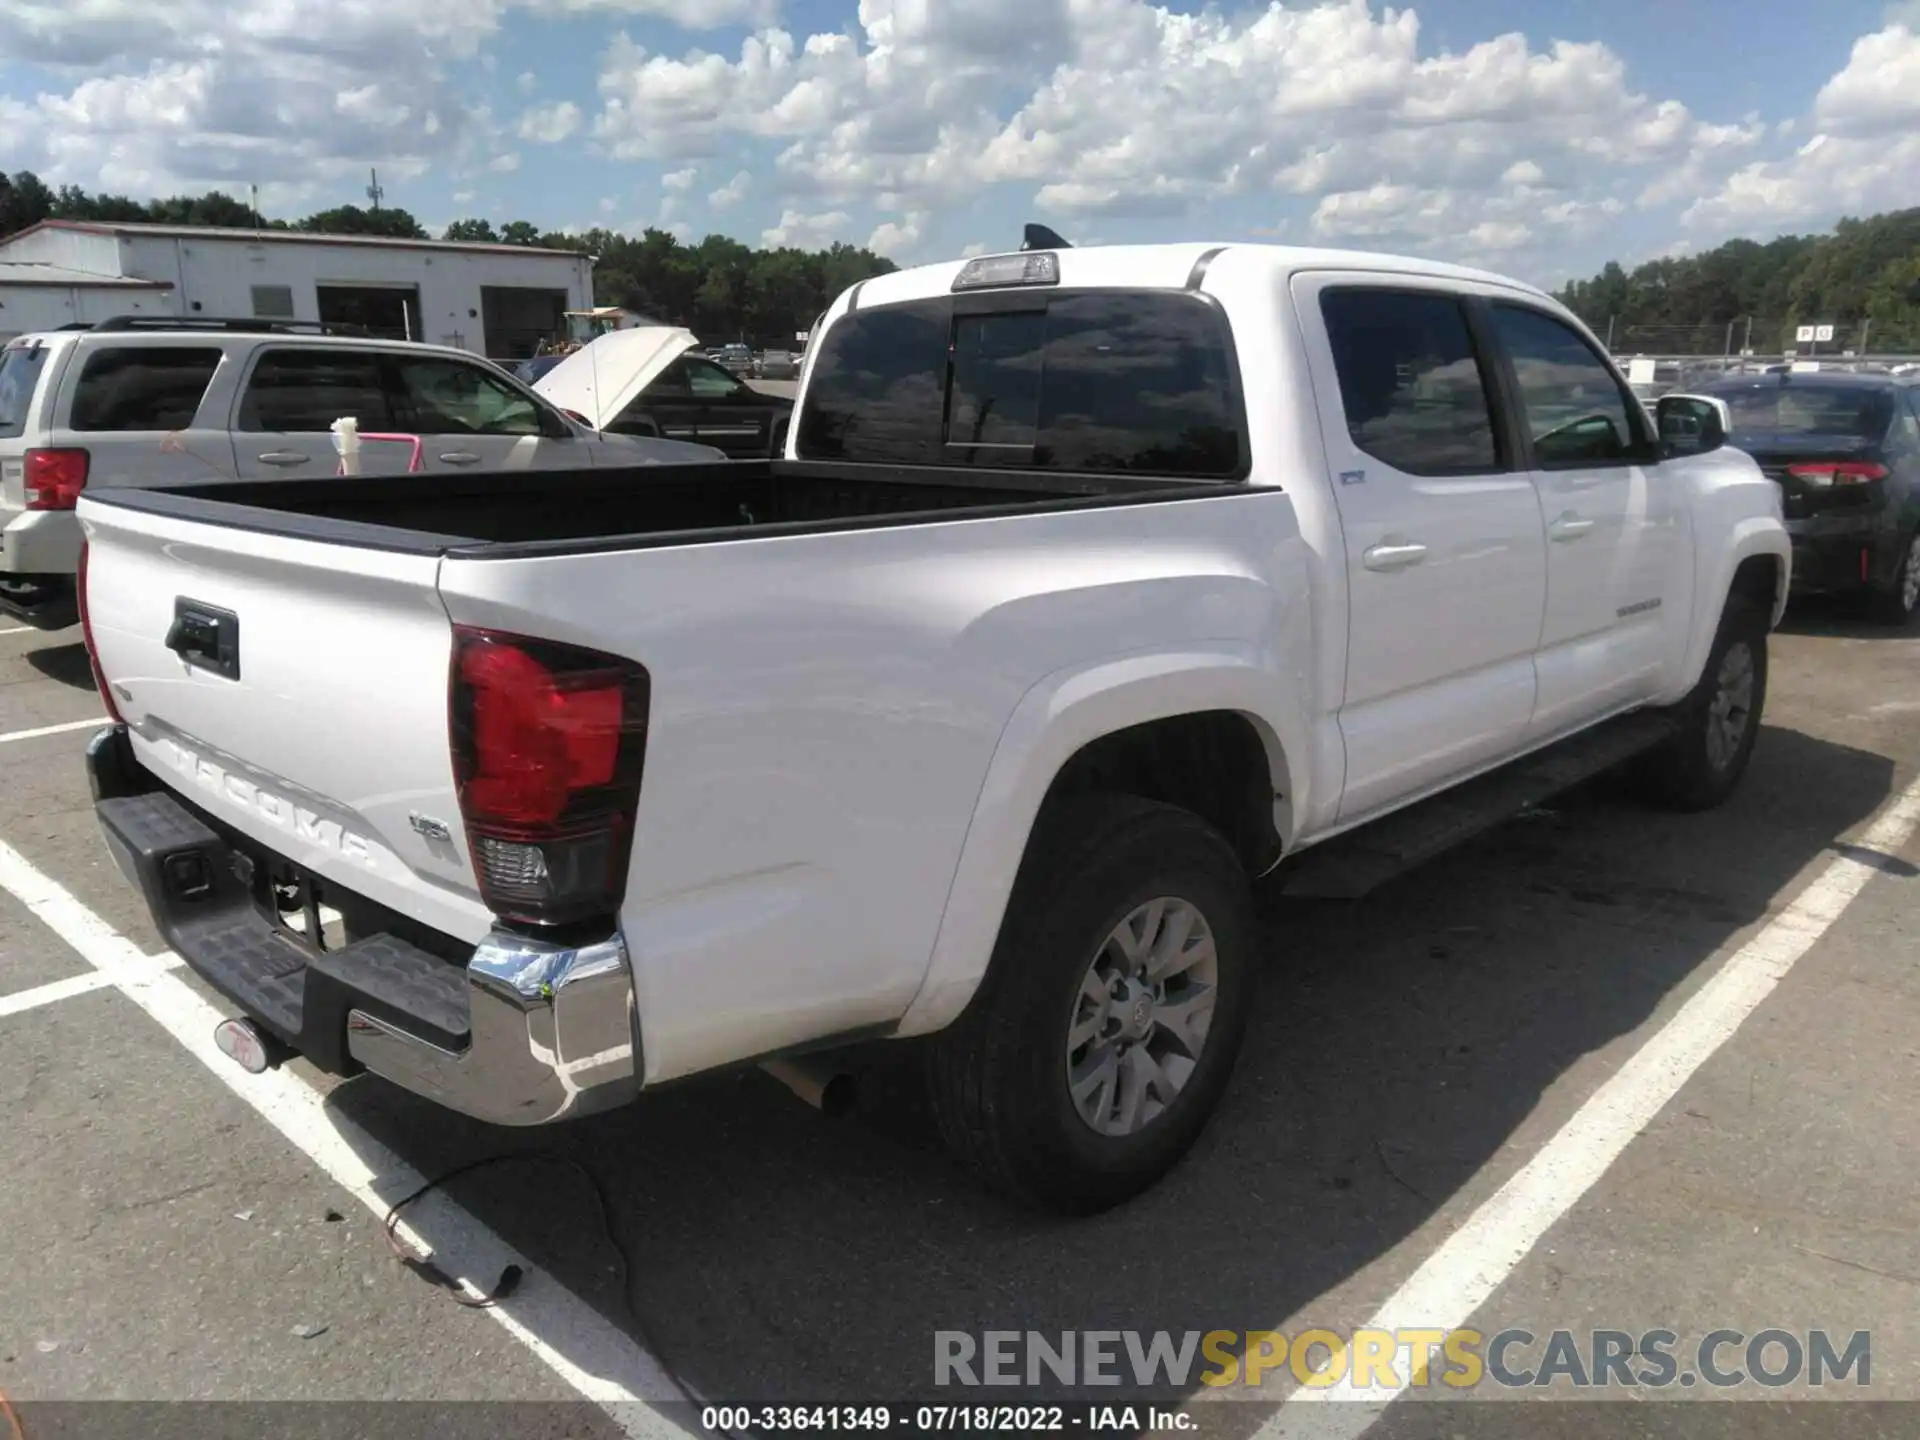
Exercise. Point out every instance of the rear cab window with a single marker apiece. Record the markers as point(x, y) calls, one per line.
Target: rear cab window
point(1775, 411)
point(1074, 381)
point(142, 387)
point(21, 363)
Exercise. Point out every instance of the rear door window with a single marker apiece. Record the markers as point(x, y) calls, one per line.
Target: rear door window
point(144, 387)
point(304, 390)
point(435, 396)
point(20, 367)
point(1094, 381)
point(1411, 382)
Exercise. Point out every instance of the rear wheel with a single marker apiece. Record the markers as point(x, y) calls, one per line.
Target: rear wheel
point(1718, 722)
point(1897, 603)
point(1108, 1025)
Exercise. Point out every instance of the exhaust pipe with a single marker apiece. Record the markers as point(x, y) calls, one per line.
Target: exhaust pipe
point(822, 1084)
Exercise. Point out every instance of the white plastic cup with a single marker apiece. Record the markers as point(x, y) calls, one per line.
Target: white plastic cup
point(346, 444)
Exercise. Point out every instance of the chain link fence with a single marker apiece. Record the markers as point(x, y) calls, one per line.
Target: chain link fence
point(1768, 340)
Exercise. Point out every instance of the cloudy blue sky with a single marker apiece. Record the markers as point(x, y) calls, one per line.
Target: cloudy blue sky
point(1541, 139)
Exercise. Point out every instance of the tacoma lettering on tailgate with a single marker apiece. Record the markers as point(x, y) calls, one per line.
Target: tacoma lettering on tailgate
point(296, 820)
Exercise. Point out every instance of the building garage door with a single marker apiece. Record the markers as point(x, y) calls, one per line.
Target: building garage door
point(518, 320)
point(387, 312)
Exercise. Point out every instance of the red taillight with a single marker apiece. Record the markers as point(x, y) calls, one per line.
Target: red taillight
point(548, 742)
point(54, 478)
point(1837, 472)
point(86, 636)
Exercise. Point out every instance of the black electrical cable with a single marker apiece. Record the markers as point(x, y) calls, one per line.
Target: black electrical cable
point(512, 1275)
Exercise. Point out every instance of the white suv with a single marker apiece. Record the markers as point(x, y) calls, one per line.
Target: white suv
point(146, 400)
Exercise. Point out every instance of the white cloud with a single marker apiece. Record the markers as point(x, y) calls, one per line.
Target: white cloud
point(550, 124)
point(1333, 119)
point(731, 193)
point(807, 232)
point(973, 248)
point(1497, 235)
point(300, 97)
point(1879, 90)
point(687, 14)
point(1130, 108)
point(897, 239)
point(1863, 154)
point(463, 197)
point(226, 92)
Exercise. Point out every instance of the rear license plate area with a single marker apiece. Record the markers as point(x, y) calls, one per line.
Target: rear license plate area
point(293, 900)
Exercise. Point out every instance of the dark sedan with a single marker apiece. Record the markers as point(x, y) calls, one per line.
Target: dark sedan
point(1845, 451)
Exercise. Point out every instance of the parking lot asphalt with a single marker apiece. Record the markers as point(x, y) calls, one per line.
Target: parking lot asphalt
point(173, 1234)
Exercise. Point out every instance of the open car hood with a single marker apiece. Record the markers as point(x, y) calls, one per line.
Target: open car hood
point(606, 375)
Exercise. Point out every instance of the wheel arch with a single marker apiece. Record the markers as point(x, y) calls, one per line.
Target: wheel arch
point(1210, 731)
point(1756, 563)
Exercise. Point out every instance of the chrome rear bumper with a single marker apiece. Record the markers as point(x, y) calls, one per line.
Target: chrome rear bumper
point(552, 1036)
point(524, 1033)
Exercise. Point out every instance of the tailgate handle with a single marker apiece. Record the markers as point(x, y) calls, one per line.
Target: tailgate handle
point(206, 637)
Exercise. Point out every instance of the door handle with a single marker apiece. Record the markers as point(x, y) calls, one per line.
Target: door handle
point(1569, 527)
point(1394, 557)
point(284, 457)
point(459, 457)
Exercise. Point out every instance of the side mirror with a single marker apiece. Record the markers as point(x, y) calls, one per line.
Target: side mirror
point(1691, 424)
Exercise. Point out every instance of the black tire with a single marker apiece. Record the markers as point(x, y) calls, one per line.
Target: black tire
point(1891, 605)
point(997, 1077)
point(1691, 772)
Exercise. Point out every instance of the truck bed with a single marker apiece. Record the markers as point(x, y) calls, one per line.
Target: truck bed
point(564, 511)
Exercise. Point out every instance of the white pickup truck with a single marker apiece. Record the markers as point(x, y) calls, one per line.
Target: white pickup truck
point(1093, 585)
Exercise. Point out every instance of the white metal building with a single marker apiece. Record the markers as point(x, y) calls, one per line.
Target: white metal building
point(497, 300)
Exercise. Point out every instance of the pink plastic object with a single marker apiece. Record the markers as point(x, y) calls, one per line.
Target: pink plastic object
point(413, 464)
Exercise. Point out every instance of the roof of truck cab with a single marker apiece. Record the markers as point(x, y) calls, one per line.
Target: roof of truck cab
point(1172, 266)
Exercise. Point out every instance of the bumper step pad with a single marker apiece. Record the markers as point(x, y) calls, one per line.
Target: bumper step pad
point(191, 882)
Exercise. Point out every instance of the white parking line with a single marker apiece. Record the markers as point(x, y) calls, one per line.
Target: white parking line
point(18, 629)
point(1463, 1273)
point(94, 724)
point(56, 990)
point(571, 1338)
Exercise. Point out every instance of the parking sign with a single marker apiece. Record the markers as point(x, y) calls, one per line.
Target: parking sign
point(1823, 334)
point(1804, 335)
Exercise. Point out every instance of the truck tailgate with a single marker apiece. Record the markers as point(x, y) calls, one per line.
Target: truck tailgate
point(328, 743)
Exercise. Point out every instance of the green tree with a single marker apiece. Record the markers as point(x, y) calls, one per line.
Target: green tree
point(519, 232)
point(212, 208)
point(470, 230)
point(352, 220)
point(1688, 302)
point(24, 200)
